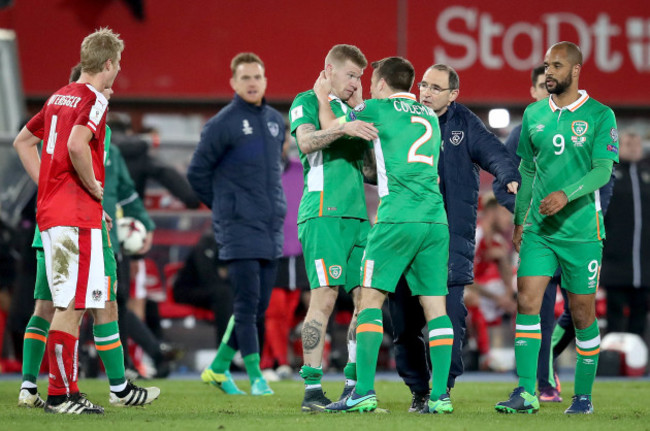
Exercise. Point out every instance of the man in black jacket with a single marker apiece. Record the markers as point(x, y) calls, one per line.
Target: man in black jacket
point(625, 273)
point(466, 146)
point(236, 171)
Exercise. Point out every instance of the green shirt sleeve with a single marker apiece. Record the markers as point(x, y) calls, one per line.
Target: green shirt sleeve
point(304, 110)
point(606, 137)
point(598, 176)
point(525, 193)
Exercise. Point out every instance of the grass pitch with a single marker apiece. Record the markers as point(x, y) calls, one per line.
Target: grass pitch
point(192, 405)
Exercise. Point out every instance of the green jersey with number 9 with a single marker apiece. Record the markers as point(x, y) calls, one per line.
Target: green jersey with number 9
point(407, 151)
point(563, 142)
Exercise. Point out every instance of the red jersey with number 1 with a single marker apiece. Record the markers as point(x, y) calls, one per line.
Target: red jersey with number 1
point(62, 199)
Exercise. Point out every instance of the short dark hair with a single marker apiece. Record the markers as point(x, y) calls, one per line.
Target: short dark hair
point(539, 70)
point(244, 57)
point(398, 72)
point(75, 73)
point(454, 80)
point(342, 52)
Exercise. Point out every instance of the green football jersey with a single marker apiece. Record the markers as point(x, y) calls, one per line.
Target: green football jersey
point(407, 150)
point(333, 175)
point(562, 142)
point(38, 242)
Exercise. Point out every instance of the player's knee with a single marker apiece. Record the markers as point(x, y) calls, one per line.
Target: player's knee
point(323, 300)
point(44, 309)
point(583, 317)
point(524, 307)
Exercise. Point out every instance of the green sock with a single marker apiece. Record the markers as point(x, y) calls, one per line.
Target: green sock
point(34, 347)
point(558, 333)
point(370, 332)
point(221, 362)
point(225, 353)
point(109, 348)
point(441, 338)
point(528, 339)
point(311, 375)
point(350, 371)
point(252, 364)
point(588, 348)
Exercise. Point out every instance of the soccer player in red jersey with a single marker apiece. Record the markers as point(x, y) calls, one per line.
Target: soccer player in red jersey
point(70, 180)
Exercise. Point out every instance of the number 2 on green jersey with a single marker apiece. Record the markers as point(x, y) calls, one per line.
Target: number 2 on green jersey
point(413, 156)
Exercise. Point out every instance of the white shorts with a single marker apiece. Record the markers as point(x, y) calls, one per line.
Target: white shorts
point(74, 263)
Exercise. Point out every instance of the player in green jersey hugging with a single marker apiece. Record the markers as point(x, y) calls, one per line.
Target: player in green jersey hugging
point(411, 236)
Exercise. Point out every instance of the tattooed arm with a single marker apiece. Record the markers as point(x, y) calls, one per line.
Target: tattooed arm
point(310, 140)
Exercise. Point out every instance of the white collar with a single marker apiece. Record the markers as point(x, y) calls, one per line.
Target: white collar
point(572, 107)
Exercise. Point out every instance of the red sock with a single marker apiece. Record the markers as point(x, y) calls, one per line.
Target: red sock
point(62, 355)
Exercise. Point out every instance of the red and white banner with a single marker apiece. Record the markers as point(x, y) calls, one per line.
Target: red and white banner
point(185, 51)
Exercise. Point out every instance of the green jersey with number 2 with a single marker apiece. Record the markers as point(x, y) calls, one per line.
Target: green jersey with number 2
point(407, 150)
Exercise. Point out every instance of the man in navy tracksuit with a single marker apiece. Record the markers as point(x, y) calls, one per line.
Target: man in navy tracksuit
point(466, 146)
point(236, 171)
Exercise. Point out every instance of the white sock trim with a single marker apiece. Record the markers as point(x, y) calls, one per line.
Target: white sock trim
point(118, 388)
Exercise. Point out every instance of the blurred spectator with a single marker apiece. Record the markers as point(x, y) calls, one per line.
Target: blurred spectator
point(491, 296)
point(203, 282)
point(143, 166)
point(8, 273)
point(626, 273)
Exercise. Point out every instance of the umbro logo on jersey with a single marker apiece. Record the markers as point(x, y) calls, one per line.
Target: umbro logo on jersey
point(335, 271)
point(246, 128)
point(539, 128)
point(457, 137)
point(613, 133)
